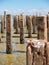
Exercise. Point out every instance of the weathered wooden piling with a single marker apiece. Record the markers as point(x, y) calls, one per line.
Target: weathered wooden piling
point(16, 23)
point(48, 53)
point(29, 54)
point(29, 25)
point(8, 34)
point(4, 19)
point(45, 28)
point(0, 30)
point(34, 23)
point(21, 29)
point(2, 25)
point(35, 54)
point(40, 27)
point(48, 27)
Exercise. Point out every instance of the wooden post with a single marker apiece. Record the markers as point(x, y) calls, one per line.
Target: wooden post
point(47, 53)
point(36, 52)
point(21, 29)
point(45, 28)
point(16, 24)
point(4, 19)
point(0, 30)
point(48, 27)
point(29, 25)
point(29, 57)
point(2, 25)
point(8, 34)
point(34, 24)
point(40, 27)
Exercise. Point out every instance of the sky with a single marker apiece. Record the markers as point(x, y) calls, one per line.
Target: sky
point(16, 6)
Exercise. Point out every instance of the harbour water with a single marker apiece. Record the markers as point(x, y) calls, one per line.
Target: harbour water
point(18, 56)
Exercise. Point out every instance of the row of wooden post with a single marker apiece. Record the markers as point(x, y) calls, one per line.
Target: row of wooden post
point(38, 22)
point(29, 22)
point(42, 23)
point(35, 21)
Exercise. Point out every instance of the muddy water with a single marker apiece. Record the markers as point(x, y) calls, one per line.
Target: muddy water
point(18, 56)
point(13, 59)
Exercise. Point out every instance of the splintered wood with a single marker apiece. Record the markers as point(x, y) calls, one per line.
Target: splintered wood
point(8, 34)
point(37, 53)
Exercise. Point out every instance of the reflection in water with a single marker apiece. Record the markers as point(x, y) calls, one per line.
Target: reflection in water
point(2, 52)
point(14, 52)
point(18, 56)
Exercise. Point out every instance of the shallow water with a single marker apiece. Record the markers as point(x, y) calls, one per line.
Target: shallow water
point(12, 59)
point(18, 56)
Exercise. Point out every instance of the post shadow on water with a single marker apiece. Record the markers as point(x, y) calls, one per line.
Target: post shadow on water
point(3, 37)
point(13, 52)
point(15, 36)
point(31, 37)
